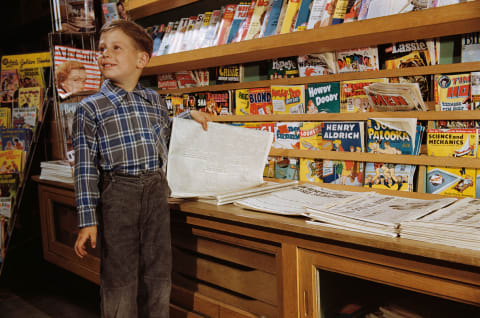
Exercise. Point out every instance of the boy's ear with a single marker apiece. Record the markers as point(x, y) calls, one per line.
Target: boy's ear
point(143, 59)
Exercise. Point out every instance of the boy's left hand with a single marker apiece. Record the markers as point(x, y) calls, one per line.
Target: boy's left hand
point(201, 117)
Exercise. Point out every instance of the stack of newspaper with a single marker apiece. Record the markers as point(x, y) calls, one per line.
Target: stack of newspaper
point(230, 197)
point(374, 213)
point(385, 97)
point(57, 170)
point(292, 201)
point(456, 225)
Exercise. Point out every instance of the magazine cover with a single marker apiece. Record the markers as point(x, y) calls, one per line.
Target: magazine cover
point(10, 85)
point(218, 103)
point(5, 117)
point(452, 143)
point(260, 100)
point(316, 64)
point(385, 97)
point(475, 90)
point(357, 60)
point(288, 99)
point(287, 135)
point(395, 136)
point(452, 92)
point(257, 19)
point(76, 70)
point(24, 117)
point(287, 168)
point(110, 11)
point(291, 12)
point(353, 97)
point(74, 15)
point(31, 77)
point(283, 68)
point(16, 139)
point(239, 19)
point(67, 111)
point(471, 47)
point(273, 17)
point(8, 185)
point(242, 105)
point(311, 139)
point(30, 97)
point(225, 24)
point(229, 74)
point(301, 22)
point(11, 161)
point(322, 98)
point(343, 136)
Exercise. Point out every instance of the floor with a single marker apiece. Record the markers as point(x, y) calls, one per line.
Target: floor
point(33, 288)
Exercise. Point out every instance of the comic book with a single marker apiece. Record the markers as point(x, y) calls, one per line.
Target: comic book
point(287, 168)
point(471, 47)
point(25, 117)
point(185, 79)
point(273, 17)
point(475, 90)
point(452, 92)
point(229, 74)
point(201, 101)
point(167, 81)
point(240, 18)
point(76, 70)
point(384, 97)
point(357, 60)
point(311, 139)
point(316, 14)
point(8, 190)
point(452, 143)
point(260, 100)
point(269, 171)
point(257, 19)
point(288, 22)
point(315, 64)
point(343, 136)
point(31, 77)
point(395, 136)
point(218, 103)
point(353, 97)
point(287, 135)
point(288, 99)
point(322, 98)
point(242, 105)
point(283, 68)
point(30, 97)
point(225, 24)
point(303, 15)
point(10, 85)
point(16, 139)
point(11, 161)
point(5, 117)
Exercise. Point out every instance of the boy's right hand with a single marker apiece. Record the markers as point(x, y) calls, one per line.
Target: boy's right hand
point(85, 234)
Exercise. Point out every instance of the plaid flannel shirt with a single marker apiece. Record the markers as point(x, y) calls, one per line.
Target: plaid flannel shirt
point(117, 131)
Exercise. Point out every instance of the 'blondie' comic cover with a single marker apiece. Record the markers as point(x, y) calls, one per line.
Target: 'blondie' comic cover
point(260, 100)
point(452, 92)
point(395, 136)
point(288, 99)
point(343, 136)
point(322, 98)
point(452, 143)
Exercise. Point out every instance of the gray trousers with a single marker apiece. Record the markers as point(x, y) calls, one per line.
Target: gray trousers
point(136, 261)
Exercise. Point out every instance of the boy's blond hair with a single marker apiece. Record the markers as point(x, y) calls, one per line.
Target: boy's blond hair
point(143, 41)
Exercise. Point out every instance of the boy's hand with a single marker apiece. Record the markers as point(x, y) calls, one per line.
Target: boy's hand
point(201, 117)
point(85, 234)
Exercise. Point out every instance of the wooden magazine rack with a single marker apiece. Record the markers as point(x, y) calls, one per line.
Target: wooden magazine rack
point(230, 262)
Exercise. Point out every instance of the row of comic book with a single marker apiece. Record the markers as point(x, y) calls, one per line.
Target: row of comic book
point(261, 18)
point(452, 92)
point(385, 136)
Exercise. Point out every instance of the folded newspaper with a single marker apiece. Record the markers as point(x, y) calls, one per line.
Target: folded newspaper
point(218, 161)
point(386, 97)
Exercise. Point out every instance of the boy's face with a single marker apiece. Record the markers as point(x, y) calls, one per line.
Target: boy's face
point(120, 60)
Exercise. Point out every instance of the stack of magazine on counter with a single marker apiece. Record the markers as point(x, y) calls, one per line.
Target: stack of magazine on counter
point(456, 225)
point(56, 170)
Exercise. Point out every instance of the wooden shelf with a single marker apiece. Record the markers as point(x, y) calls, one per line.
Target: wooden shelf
point(443, 21)
point(423, 70)
point(143, 8)
point(421, 160)
point(429, 115)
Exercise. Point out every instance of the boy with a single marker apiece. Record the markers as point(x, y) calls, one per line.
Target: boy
point(120, 140)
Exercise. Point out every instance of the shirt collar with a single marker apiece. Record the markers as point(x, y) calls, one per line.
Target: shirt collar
point(116, 94)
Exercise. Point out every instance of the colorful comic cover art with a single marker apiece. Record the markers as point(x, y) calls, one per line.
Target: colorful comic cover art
point(10, 85)
point(322, 98)
point(353, 98)
point(287, 135)
point(242, 104)
point(11, 161)
point(343, 136)
point(260, 100)
point(311, 139)
point(452, 92)
point(289, 99)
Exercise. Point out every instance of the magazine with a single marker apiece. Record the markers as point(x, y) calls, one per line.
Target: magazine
point(384, 97)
